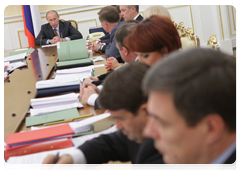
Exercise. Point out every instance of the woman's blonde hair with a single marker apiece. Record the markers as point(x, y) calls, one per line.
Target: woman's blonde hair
point(156, 10)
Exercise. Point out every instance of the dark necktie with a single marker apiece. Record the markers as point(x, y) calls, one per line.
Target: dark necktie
point(55, 32)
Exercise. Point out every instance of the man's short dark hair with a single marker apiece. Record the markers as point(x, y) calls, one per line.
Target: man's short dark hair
point(117, 7)
point(135, 6)
point(51, 11)
point(109, 14)
point(123, 31)
point(201, 81)
point(122, 88)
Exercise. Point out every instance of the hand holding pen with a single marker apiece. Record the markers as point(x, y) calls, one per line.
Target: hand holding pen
point(56, 159)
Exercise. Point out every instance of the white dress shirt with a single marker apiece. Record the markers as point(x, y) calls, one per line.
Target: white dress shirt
point(57, 30)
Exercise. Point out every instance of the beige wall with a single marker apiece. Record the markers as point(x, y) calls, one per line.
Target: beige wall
point(12, 10)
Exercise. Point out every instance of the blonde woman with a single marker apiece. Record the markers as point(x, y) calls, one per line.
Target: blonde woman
point(156, 10)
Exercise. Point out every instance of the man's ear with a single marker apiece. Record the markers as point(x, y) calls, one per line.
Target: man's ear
point(214, 126)
point(143, 107)
point(125, 51)
point(133, 8)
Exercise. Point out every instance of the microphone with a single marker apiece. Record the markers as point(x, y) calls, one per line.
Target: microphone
point(61, 35)
point(41, 40)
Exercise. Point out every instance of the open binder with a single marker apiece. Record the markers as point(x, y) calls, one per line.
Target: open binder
point(72, 54)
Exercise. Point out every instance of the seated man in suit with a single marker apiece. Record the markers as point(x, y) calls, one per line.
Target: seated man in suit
point(56, 31)
point(192, 107)
point(129, 12)
point(109, 18)
point(90, 94)
point(123, 97)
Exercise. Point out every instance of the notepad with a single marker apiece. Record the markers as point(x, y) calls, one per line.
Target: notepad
point(51, 117)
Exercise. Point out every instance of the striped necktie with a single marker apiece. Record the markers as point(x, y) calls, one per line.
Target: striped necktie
point(55, 32)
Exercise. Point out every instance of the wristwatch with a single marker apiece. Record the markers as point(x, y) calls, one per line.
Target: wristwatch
point(100, 47)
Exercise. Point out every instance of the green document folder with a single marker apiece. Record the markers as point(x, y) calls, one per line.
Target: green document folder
point(72, 50)
point(52, 117)
point(21, 51)
point(73, 62)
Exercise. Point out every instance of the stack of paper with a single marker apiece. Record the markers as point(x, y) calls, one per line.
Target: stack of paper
point(63, 84)
point(15, 65)
point(15, 58)
point(50, 133)
point(81, 72)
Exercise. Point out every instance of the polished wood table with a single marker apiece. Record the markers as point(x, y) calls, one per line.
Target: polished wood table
point(20, 88)
point(40, 67)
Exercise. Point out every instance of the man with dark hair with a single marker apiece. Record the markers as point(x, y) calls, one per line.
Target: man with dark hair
point(56, 31)
point(109, 18)
point(192, 107)
point(123, 97)
point(129, 12)
point(87, 91)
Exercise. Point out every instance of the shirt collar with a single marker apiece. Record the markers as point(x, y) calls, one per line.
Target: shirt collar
point(57, 28)
point(136, 17)
point(225, 155)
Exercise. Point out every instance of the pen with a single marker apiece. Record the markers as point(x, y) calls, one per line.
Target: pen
point(56, 158)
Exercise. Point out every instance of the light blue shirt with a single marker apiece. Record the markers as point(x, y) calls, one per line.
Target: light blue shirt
point(57, 29)
point(225, 155)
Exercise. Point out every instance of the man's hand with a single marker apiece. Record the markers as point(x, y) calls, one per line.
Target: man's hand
point(88, 92)
point(65, 159)
point(112, 63)
point(55, 40)
point(88, 81)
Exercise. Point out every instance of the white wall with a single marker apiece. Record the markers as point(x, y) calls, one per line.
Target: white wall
point(204, 19)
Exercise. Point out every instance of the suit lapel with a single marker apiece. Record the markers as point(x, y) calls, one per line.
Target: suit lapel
point(61, 29)
point(146, 150)
point(50, 31)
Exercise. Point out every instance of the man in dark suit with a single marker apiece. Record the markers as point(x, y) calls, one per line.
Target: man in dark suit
point(192, 107)
point(109, 18)
point(56, 31)
point(123, 97)
point(129, 12)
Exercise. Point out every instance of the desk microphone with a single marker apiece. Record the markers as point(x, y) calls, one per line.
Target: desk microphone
point(61, 35)
point(41, 40)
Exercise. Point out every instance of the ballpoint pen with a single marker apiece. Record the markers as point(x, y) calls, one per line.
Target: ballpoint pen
point(56, 158)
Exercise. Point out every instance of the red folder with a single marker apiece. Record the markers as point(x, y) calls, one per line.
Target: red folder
point(40, 147)
point(21, 138)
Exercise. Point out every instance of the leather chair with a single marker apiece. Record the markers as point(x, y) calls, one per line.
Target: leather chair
point(73, 22)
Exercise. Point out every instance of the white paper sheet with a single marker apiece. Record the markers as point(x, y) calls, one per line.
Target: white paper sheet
point(15, 57)
point(98, 58)
point(80, 140)
point(36, 158)
point(76, 126)
point(45, 110)
point(54, 101)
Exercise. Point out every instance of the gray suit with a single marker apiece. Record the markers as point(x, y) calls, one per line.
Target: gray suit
point(111, 49)
point(65, 30)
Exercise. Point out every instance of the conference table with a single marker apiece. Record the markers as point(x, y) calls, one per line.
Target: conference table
point(20, 88)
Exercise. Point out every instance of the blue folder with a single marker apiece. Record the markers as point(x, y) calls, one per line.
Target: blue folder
point(57, 90)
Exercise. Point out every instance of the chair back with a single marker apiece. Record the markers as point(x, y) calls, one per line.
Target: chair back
point(73, 22)
point(212, 42)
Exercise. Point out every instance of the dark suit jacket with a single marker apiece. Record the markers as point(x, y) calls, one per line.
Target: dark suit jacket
point(117, 147)
point(232, 162)
point(139, 18)
point(65, 30)
point(111, 49)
